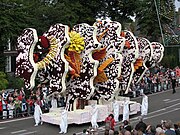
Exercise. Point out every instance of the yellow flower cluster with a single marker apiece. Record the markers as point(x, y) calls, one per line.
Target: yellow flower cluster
point(76, 42)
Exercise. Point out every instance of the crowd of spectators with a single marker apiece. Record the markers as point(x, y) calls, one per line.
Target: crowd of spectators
point(159, 80)
point(165, 127)
point(16, 103)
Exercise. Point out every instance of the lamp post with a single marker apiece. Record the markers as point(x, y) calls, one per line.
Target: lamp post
point(159, 22)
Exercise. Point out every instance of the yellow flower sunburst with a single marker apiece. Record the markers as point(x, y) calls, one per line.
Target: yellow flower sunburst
point(76, 42)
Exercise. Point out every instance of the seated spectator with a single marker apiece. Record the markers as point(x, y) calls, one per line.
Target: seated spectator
point(162, 134)
point(159, 130)
point(110, 122)
point(127, 133)
point(177, 130)
point(167, 126)
point(111, 132)
point(150, 130)
point(106, 132)
point(84, 131)
point(127, 126)
point(116, 132)
point(141, 126)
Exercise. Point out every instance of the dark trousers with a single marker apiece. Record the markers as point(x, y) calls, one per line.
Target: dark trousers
point(1, 113)
point(173, 87)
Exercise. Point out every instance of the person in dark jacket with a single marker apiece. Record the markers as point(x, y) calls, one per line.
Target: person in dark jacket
point(127, 126)
point(177, 130)
point(141, 126)
point(167, 126)
point(173, 81)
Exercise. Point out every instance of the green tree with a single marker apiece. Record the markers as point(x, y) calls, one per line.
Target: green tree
point(69, 12)
point(14, 82)
point(118, 10)
point(13, 19)
point(3, 81)
point(147, 19)
point(171, 58)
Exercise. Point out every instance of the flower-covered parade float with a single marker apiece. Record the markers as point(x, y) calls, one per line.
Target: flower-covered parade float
point(87, 63)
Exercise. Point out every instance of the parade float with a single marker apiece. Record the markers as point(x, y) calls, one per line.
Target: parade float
point(89, 63)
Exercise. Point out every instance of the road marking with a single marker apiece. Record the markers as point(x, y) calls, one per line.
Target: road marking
point(8, 121)
point(164, 108)
point(165, 100)
point(2, 128)
point(162, 113)
point(173, 100)
point(149, 95)
point(19, 131)
point(28, 133)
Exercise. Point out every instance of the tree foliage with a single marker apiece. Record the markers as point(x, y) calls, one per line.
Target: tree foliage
point(16, 15)
point(14, 82)
point(171, 58)
point(3, 81)
point(147, 19)
point(118, 10)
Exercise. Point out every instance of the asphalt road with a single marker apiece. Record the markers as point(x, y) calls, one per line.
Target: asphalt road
point(162, 106)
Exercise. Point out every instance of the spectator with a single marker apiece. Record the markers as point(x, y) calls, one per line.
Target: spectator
point(32, 93)
point(111, 132)
point(1, 108)
point(21, 92)
point(116, 132)
point(110, 122)
point(162, 134)
point(159, 129)
point(17, 105)
point(106, 132)
point(167, 126)
point(141, 126)
point(23, 105)
point(127, 133)
point(15, 94)
point(127, 126)
point(30, 105)
point(4, 94)
point(177, 130)
point(4, 106)
point(84, 131)
point(150, 130)
point(11, 109)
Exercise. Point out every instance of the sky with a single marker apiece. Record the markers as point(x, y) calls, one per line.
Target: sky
point(177, 4)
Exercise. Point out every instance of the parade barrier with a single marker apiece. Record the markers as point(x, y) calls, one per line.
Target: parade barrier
point(81, 116)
